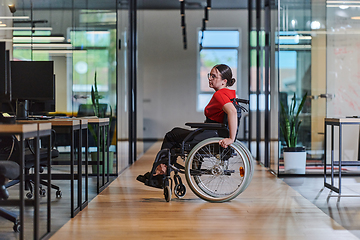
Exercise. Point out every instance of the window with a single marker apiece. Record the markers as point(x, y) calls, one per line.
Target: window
point(217, 46)
point(23, 51)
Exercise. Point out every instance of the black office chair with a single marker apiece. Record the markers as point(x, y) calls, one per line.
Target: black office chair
point(10, 150)
point(88, 110)
point(8, 170)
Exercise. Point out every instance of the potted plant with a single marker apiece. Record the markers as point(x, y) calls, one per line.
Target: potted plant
point(294, 155)
point(100, 113)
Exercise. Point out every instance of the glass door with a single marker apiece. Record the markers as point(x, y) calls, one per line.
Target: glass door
point(295, 68)
point(342, 72)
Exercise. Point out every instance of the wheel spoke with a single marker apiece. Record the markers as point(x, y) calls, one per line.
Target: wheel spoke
point(213, 172)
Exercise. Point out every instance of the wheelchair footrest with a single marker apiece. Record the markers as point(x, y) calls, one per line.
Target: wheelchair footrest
point(151, 181)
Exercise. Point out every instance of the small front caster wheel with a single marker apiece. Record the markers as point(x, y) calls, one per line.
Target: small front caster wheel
point(29, 195)
point(167, 193)
point(180, 190)
point(16, 226)
point(42, 192)
point(58, 194)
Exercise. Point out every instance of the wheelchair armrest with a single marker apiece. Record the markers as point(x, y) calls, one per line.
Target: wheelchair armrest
point(206, 125)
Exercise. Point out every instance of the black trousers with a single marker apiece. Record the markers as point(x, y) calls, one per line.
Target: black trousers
point(174, 138)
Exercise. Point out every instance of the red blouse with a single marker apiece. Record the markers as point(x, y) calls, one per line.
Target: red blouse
point(214, 109)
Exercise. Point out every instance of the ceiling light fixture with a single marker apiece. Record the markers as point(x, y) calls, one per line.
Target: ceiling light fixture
point(43, 45)
point(343, 7)
point(315, 25)
point(340, 5)
point(27, 28)
point(295, 37)
point(58, 51)
point(183, 25)
point(182, 8)
point(208, 5)
point(12, 8)
point(52, 38)
point(206, 14)
point(342, 2)
point(18, 17)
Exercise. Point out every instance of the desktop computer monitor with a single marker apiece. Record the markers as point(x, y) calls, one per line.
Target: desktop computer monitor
point(33, 87)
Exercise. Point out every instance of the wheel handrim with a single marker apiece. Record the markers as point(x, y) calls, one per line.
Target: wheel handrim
point(213, 173)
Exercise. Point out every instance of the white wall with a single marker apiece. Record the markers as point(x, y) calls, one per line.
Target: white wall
point(62, 85)
point(167, 73)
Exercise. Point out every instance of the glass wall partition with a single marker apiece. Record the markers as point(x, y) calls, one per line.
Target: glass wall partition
point(93, 67)
point(122, 131)
point(252, 76)
point(317, 54)
point(294, 42)
point(82, 40)
point(341, 97)
point(259, 79)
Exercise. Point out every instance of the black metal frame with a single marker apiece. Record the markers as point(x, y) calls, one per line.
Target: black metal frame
point(102, 130)
point(267, 82)
point(21, 202)
point(84, 133)
point(266, 78)
point(75, 131)
point(132, 80)
point(258, 49)
point(331, 186)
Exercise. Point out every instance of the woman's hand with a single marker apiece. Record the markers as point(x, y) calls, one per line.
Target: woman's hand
point(225, 142)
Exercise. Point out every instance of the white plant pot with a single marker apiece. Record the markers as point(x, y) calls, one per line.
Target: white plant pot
point(295, 162)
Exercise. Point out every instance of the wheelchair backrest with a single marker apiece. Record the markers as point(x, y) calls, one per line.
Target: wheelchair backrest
point(236, 102)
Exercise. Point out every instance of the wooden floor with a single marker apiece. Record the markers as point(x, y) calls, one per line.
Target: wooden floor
point(268, 209)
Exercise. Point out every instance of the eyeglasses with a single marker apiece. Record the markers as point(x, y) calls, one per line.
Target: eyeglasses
point(211, 76)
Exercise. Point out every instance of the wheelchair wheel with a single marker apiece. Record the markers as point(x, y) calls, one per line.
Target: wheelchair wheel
point(167, 193)
point(180, 190)
point(218, 174)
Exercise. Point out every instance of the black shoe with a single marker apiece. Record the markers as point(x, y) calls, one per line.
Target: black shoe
point(156, 181)
point(143, 178)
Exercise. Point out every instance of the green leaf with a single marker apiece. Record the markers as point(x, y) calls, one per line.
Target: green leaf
point(289, 120)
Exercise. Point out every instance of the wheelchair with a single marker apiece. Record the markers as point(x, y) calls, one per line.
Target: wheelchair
point(213, 173)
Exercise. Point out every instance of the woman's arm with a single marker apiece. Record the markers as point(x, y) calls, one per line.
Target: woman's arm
point(230, 110)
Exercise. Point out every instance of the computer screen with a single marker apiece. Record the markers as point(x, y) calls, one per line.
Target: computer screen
point(32, 80)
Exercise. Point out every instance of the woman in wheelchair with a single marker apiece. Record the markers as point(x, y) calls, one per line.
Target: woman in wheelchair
point(179, 141)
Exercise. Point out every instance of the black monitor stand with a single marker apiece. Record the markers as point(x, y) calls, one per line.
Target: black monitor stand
point(22, 109)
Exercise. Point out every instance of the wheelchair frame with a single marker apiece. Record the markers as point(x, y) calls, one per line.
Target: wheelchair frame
point(203, 168)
